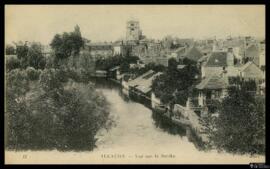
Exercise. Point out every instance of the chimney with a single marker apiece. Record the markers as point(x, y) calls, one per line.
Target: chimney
point(230, 57)
point(224, 72)
point(230, 50)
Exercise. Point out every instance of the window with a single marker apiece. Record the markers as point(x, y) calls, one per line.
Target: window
point(208, 95)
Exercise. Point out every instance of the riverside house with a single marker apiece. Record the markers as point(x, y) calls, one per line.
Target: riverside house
point(141, 87)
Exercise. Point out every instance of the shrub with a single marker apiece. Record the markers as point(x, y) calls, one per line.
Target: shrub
point(62, 74)
point(17, 82)
point(12, 63)
point(32, 73)
point(49, 80)
point(74, 74)
point(68, 123)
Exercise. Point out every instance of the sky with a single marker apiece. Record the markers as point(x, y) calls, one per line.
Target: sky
point(108, 22)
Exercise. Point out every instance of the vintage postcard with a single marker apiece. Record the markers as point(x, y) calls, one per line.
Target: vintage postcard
point(134, 84)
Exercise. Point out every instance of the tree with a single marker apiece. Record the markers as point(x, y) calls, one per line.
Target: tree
point(175, 85)
point(67, 122)
point(22, 51)
point(49, 80)
point(35, 56)
point(12, 63)
point(32, 73)
point(240, 126)
point(10, 50)
point(17, 82)
point(77, 39)
point(17, 112)
point(67, 44)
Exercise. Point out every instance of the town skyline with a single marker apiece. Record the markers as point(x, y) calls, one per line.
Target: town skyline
point(108, 23)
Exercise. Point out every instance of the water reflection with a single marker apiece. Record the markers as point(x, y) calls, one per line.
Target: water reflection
point(167, 125)
point(123, 108)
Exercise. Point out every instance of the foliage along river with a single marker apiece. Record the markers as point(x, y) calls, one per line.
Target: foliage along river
point(135, 138)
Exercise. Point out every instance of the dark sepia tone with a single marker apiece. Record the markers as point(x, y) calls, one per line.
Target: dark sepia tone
point(89, 84)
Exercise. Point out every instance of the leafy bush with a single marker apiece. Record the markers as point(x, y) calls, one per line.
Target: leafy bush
point(69, 122)
point(12, 63)
point(17, 82)
point(32, 73)
point(240, 125)
point(35, 56)
point(74, 74)
point(49, 80)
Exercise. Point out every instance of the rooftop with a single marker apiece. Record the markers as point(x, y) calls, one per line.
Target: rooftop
point(194, 54)
point(217, 59)
point(213, 82)
point(144, 82)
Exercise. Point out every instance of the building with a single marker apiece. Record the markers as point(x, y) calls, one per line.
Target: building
point(178, 53)
point(250, 71)
point(103, 49)
point(134, 32)
point(252, 53)
point(118, 48)
point(192, 53)
point(218, 62)
point(183, 42)
point(143, 83)
point(212, 87)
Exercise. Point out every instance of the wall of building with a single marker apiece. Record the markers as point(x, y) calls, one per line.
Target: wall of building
point(117, 50)
point(208, 71)
point(252, 72)
point(154, 100)
point(133, 31)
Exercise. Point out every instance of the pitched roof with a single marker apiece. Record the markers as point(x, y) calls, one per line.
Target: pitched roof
point(252, 47)
point(203, 58)
point(180, 50)
point(254, 71)
point(100, 46)
point(180, 66)
point(242, 68)
point(144, 82)
point(114, 68)
point(213, 82)
point(193, 54)
point(217, 59)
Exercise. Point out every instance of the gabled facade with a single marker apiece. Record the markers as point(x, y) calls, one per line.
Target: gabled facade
point(251, 71)
point(252, 53)
point(212, 87)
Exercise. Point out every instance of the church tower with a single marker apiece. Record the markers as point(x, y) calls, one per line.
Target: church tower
point(133, 31)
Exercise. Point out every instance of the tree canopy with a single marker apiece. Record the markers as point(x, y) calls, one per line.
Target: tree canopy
point(240, 125)
point(10, 50)
point(175, 84)
point(67, 44)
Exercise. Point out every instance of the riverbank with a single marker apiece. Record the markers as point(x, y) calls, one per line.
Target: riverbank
point(168, 116)
point(135, 136)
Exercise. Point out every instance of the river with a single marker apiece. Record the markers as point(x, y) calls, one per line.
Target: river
point(137, 132)
point(134, 138)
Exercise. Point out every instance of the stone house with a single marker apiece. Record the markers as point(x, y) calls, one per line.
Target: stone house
point(252, 53)
point(212, 87)
point(250, 71)
point(104, 49)
point(218, 62)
